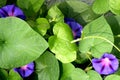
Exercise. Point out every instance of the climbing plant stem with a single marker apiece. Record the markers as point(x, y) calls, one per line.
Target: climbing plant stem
point(97, 37)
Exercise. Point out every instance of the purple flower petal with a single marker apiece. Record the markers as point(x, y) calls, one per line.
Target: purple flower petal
point(25, 70)
point(76, 27)
point(11, 10)
point(107, 64)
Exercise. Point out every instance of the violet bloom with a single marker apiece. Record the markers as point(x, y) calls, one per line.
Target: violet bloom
point(107, 64)
point(11, 10)
point(76, 27)
point(25, 70)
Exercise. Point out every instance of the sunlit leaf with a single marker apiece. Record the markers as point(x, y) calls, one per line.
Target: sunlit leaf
point(14, 76)
point(100, 6)
point(113, 77)
point(42, 26)
point(60, 43)
point(114, 6)
point(55, 15)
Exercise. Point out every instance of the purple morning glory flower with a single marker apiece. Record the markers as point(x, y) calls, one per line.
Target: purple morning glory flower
point(107, 64)
point(76, 27)
point(25, 70)
point(11, 10)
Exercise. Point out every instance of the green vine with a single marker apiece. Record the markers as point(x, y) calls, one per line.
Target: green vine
point(97, 37)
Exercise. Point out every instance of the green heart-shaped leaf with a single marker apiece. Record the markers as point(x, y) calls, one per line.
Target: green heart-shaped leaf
point(113, 77)
point(114, 6)
point(67, 70)
point(55, 15)
point(93, 75)
point(42, 26)
point(72, 73)
point(19, 43)
point(60, 43)
point(97, 38)
point(101, 6)
point(47, 67)
point(14, 75)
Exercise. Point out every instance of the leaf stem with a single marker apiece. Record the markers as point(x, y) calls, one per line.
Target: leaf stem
point(89, 57)
point(98, 37)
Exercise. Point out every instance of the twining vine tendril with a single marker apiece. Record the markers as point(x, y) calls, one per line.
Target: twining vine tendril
point(96, 37)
